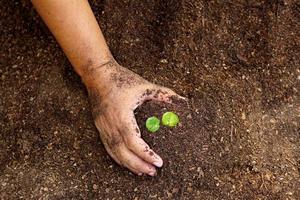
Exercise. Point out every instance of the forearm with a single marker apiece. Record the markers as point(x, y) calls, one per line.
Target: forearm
point(74, 26)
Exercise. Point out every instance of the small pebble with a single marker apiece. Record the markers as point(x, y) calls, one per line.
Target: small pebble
point(95, 187)
point(164, 61)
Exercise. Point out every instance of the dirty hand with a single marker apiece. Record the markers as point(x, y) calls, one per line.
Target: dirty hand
point(115, 92)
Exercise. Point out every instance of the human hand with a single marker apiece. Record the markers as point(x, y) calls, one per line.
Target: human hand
point(115, 92)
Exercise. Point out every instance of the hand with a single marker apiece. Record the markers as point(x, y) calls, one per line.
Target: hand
point(115, 92)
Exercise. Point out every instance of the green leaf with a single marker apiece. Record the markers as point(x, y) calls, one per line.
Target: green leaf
point(152, 124)
point(170, 119)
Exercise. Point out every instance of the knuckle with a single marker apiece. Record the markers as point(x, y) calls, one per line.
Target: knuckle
point(146, 148)
point(151, 153)
point(130, 143)
point(114, 141)
point(123, 115)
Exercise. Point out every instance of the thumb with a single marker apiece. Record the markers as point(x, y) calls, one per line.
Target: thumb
point(163, 94)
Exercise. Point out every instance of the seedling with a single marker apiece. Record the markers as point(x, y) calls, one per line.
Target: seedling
point(152, 124)
point(170, 119)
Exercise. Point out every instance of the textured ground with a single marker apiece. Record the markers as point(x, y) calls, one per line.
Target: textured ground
point(239, 138)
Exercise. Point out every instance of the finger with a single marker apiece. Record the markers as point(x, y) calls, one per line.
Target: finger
point(109, 150)
point(136, 144)
point(118, 160)
point(122, 155)
point(134, 163)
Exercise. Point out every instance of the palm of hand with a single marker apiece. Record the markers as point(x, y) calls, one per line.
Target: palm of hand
point(112, 108)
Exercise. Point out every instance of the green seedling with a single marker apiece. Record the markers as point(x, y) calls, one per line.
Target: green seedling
point(170, 119)
point(153, 124)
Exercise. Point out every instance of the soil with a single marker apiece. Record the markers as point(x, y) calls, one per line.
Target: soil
point(239, 136)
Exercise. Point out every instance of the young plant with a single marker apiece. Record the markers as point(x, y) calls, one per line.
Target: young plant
point(170, 119)
point(153, 124)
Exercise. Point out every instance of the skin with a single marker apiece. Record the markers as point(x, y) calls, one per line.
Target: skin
point(114, 91)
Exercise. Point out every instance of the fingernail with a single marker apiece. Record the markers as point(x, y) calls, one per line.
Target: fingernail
point(152, 173)
point(140, 174)
point(158, 163)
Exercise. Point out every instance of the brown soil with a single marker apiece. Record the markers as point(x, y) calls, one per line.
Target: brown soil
point(237, 62)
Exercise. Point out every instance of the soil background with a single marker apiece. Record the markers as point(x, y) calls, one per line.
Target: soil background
point(239, 137)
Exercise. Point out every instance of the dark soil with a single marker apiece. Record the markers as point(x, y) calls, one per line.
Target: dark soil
point(239, 136)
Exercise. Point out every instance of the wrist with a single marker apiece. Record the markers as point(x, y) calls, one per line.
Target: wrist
point(97, 73)
point(88, 64)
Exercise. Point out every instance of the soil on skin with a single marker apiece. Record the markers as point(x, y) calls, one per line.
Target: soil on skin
point(237, 62)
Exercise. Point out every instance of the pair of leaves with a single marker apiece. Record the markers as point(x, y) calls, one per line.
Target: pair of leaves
point(168, 119)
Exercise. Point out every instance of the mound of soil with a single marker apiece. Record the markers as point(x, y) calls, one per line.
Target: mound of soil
point(184, 148)
point(236, 61)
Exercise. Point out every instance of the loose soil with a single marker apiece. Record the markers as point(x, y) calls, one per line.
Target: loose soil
point(236, 61)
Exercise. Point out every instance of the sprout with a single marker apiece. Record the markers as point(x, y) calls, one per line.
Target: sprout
point(152, 124)
point(170, 119)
